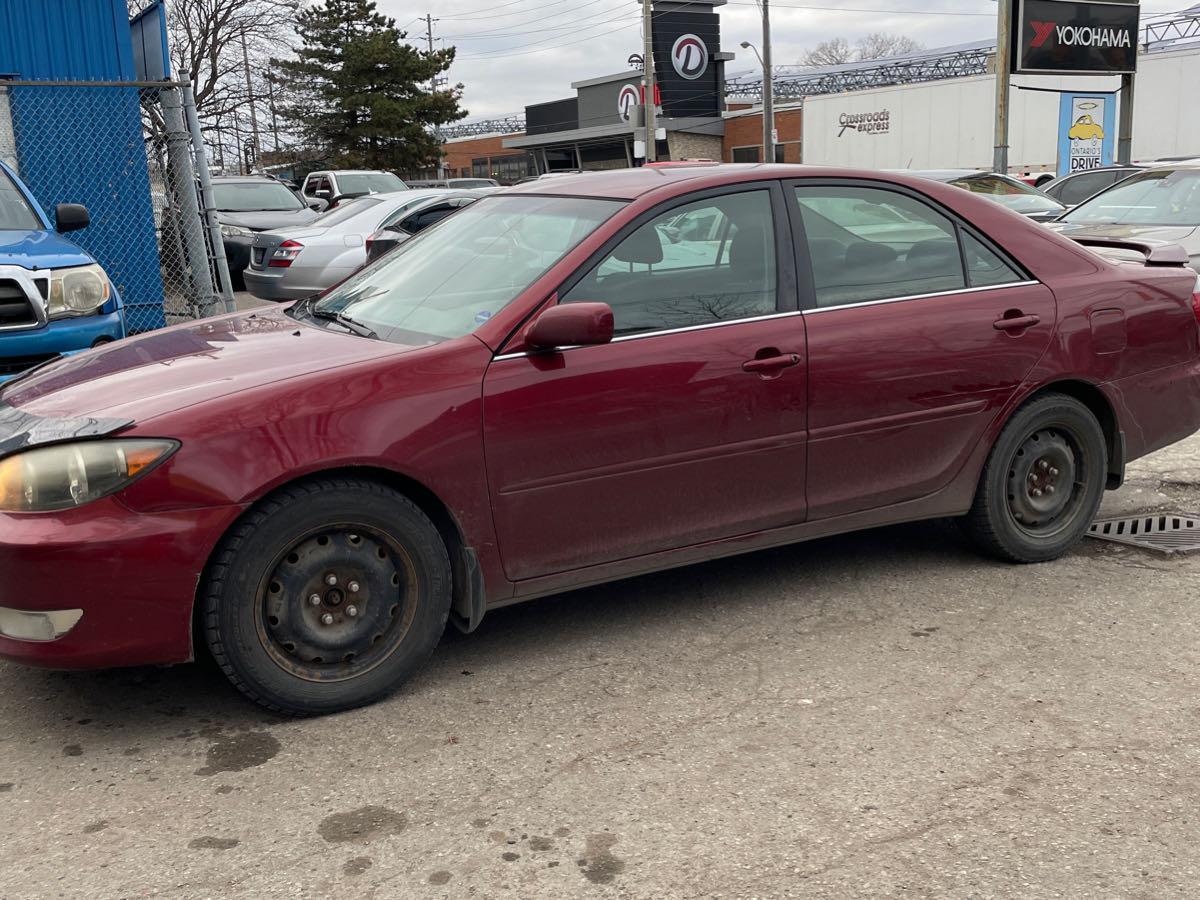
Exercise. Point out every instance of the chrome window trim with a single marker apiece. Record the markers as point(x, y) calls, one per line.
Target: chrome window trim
point(783, 315)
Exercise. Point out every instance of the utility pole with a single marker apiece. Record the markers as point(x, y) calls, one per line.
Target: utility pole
point(433, 83)
point(1003, 77)
point(768, 89)
point(649, 118)
point(250, 94)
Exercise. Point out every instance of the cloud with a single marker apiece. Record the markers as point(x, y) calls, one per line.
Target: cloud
point(515, 53)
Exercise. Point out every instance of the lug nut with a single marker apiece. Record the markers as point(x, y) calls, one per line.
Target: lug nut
point(1049, 489)
point(1043, 465)
point(327, 619)
point(315, 599)
point(1053, 473)
point(331, 580)
point(352, 587)
point(1037, 492)
point(352, 611)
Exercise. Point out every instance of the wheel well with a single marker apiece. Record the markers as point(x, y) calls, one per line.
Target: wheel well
point(468, 589)
point(1091, 397)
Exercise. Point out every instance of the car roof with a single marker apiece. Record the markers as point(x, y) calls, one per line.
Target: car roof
point(351, 172)
point(249, 179)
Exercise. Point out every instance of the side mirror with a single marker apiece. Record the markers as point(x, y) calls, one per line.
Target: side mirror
point(318, 204)
point(71, 217)
point(324, 193)
point(571, 325)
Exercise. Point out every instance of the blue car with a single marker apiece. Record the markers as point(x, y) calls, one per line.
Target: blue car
point(54, 298)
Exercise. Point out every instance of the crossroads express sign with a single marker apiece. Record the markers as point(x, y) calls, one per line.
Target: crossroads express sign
point(1067, 38)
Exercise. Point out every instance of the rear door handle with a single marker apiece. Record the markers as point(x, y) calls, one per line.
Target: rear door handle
point(1016, 323)
point(771, 363)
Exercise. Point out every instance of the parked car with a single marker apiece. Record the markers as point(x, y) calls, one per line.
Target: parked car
point(460, 184)
point(333, 185)
point(1003, 189)
point(525, 400)
point(1073, 189)
point(1160, 204)
point(55, 299)
point(415, 219)
point(293, 263)
point(249, 204)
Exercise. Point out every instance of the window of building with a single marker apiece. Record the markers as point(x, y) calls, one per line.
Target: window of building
point(746, 154)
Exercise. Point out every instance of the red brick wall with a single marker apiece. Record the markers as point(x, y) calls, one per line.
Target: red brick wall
point(459, 154)
point(746, 131)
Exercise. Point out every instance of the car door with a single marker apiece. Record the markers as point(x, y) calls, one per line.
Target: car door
point(919, 330)
point(688, 427)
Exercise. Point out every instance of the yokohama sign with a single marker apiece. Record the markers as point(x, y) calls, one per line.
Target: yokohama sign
point(1075, 38)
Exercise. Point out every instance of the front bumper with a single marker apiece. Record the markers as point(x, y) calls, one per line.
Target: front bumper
point(133, 577)
point(20, 350)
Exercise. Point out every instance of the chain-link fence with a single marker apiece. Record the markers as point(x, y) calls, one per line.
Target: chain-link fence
point(131, 153)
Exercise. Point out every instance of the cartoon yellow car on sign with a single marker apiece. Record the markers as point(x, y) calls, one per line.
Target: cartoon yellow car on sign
point(1085, 129)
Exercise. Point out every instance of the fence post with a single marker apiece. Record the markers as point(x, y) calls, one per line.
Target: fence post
point(206, 197)
point(182, 175)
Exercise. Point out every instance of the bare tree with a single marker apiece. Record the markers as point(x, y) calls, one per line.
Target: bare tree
point(878, 45)
point(210, 42)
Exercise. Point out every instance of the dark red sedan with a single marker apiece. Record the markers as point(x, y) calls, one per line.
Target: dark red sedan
point(575, 381)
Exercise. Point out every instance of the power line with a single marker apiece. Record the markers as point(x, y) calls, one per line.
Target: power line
point(519, 52)
point(503, 31)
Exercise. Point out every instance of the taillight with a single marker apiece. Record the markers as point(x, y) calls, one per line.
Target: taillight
point(285, 254)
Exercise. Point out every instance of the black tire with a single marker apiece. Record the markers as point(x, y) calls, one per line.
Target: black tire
point(376, 622)
point(1043, 482)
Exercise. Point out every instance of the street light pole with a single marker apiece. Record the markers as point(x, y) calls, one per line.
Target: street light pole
point(648, 111)
point(768, 88)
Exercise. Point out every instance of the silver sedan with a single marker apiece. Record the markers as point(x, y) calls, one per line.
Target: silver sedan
point(293, 263)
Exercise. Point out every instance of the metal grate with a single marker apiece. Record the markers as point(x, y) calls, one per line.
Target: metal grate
point(1164, 532)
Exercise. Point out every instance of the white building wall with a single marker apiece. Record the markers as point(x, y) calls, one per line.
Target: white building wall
point(950, 124)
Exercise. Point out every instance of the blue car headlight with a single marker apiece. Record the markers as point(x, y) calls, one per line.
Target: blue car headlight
point(77, 291)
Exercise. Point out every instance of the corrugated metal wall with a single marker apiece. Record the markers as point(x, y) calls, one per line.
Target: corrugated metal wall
point(84, 144)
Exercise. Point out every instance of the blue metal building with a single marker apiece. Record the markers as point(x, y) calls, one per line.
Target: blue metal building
point(84, 144)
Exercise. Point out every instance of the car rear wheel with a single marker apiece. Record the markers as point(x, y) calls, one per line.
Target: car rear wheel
point(1043, 482)
point(327, 596)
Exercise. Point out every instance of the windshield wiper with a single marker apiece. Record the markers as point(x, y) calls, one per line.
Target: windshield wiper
point(345, 321)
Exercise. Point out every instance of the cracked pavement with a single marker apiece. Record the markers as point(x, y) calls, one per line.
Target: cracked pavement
point(877, 714)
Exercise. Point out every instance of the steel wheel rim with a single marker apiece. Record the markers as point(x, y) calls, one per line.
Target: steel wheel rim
point(336, 603)
point(1047, 482)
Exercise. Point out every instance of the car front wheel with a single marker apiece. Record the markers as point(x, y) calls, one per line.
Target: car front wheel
point(1043, 482)
point(327, 596)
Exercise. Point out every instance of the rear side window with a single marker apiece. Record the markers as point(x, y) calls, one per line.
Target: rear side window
point(984, 267)
point(1074, 191)
point(709, 261)
point(869, 244)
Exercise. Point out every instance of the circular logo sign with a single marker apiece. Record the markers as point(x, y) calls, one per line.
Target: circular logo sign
point(628, 99)
point(689, 56)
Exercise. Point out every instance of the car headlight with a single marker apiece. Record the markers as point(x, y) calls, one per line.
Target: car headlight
point(77, 291)
point(235, 231)
point(68, 475)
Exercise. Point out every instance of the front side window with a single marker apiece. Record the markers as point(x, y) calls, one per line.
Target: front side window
point(447, 281)
point(870, 244)
point(15, 212)
point(706, 262)
point(1160, 197)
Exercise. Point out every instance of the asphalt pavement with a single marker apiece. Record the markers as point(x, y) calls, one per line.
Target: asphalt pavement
point(881, 714)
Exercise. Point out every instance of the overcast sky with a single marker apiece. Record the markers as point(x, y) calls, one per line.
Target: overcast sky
point(515, 52)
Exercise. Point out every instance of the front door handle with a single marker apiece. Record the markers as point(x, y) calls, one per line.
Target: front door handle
point(1015, 323)
point(771, 363)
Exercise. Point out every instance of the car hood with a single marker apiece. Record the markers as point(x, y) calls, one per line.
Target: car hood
point(267, 219)
point(164, 371)
point(38, 249)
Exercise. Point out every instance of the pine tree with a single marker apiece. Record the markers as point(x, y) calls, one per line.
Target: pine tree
point(361, 96)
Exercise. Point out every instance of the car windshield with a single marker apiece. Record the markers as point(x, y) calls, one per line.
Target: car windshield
point(370, 183)
point(347, 209)
point(1016, 196)
point(15, 212)
point(449, 280)
point(1162, 197)
point(254, 196)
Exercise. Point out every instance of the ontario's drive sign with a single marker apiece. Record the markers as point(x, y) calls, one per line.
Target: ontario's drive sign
point(1052, 36)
